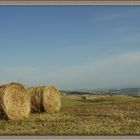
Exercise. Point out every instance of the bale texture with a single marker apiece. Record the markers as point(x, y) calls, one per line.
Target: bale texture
point(45, 98)
point(35, 95)
point(51, 99)
point(14, 102)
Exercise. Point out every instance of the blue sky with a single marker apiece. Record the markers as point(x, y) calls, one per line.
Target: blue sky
point(70, 46)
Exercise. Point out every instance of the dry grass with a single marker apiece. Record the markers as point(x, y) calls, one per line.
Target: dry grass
point(77, 97)
point(109, 116)
point(90, 96)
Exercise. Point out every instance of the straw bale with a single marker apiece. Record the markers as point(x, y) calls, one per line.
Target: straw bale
point(14, 102)
point(51, 99)
point(44, 98)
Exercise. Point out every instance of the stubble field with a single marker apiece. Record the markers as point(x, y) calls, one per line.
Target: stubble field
point(109, 115)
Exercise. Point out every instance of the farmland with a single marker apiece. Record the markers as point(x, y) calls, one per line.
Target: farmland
point(101, 115)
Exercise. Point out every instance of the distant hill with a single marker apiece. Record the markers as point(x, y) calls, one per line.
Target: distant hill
point(126, 91)
point(129, 91)
point(74, 92)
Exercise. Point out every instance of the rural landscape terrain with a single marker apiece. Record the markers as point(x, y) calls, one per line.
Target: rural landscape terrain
point(70, 70)
point(97, 114)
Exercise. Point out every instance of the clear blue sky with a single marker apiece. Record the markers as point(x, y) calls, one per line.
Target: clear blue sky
point(70, 46)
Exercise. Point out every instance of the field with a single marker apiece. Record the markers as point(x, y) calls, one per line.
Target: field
point(101, 115)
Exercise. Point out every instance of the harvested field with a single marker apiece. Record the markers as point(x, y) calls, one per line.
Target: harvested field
point(111, 116)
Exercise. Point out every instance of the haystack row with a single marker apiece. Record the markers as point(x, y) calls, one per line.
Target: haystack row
point(16, 102)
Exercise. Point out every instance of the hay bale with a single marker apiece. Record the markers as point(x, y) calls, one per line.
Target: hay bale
point(46, 98)
point(35, 96)
point(83, 98)
point(51, 99)
point(14, 102)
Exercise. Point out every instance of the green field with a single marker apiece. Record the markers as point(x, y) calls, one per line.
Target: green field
point(111, 115)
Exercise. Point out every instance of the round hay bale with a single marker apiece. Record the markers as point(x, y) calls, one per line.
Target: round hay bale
point(14, 102)
point(83, 98)
point(45, 98)
point(51, 99)
point(35, 95)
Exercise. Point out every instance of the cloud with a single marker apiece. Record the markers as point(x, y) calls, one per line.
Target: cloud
point(121, 70)
point(132, 57)
point(114, 71)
